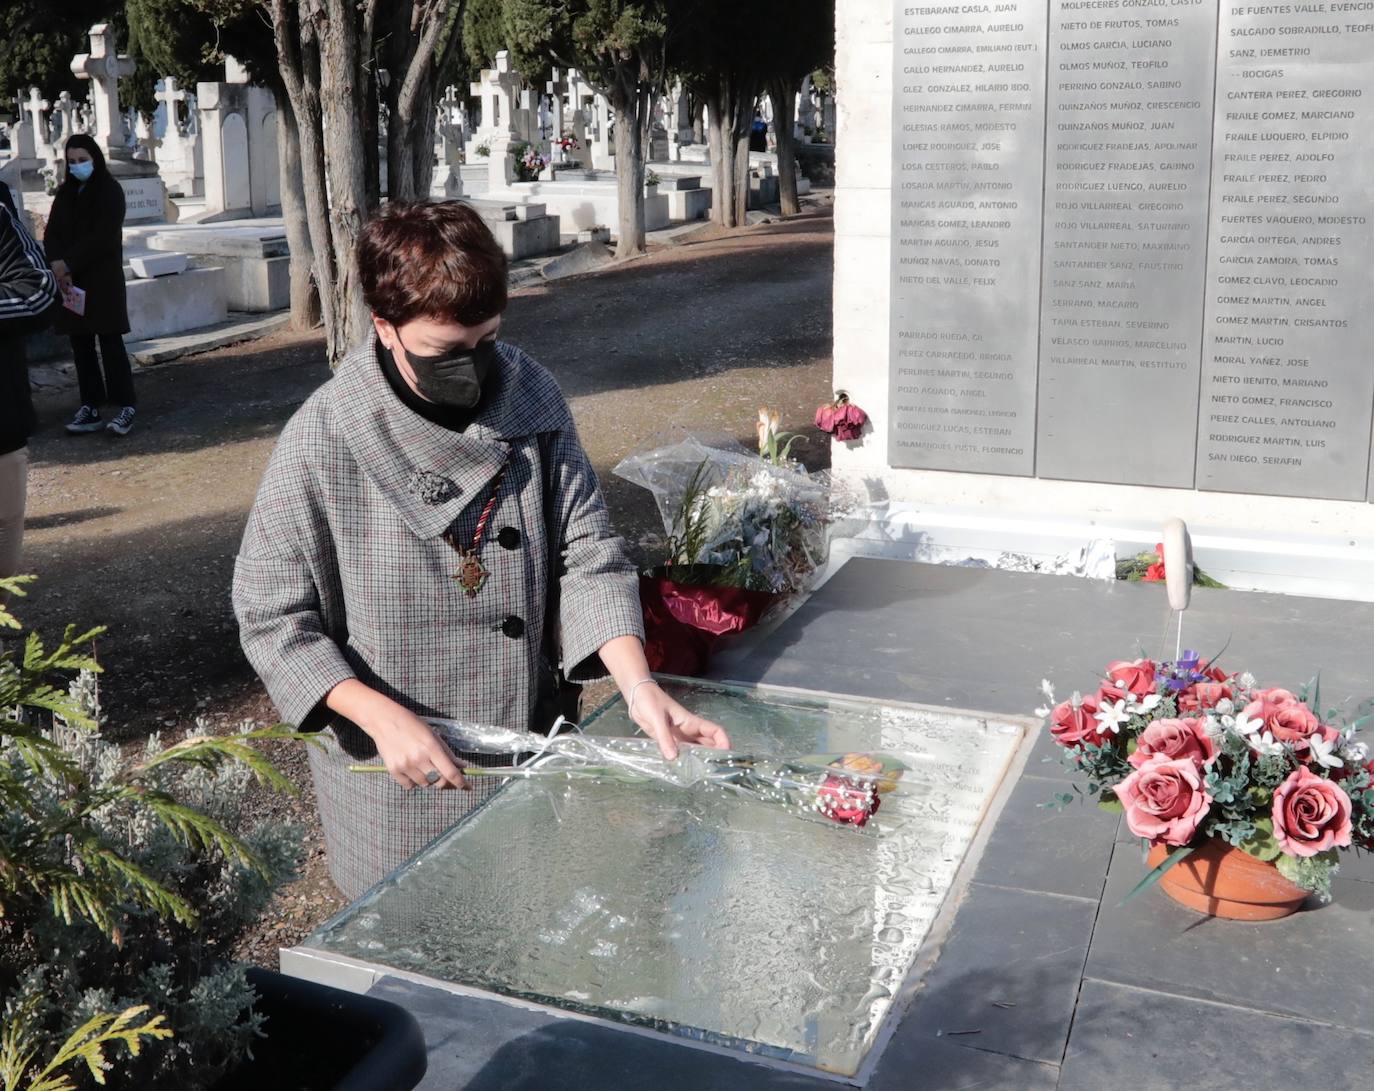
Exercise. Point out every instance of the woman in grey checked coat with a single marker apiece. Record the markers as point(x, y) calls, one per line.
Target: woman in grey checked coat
point(430, 539)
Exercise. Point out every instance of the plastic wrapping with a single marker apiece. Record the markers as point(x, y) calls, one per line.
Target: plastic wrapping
point(737, 518)
point(845, 788)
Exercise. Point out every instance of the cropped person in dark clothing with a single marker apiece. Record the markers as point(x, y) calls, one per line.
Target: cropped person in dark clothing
point(28, 293)
point(85, 245)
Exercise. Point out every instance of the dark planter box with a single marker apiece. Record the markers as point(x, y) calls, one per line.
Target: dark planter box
point(323, 1039)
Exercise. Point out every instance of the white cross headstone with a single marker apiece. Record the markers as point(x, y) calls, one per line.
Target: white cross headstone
point(22, 145)
point(66, 109)
point(556, 89)
point(103, 66)
point(34, 106)
point(603, 158)
point(174, 149)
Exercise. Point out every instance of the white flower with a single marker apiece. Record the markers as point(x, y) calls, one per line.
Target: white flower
point(1216, 726)
point(1357, 753)
point(1111, 716)
point(1244, 725)
point(1141, 705)
point(1265, 745)
point(1048, 691)
point(1323, 752)
point(1225, 707)
point(1246, 680)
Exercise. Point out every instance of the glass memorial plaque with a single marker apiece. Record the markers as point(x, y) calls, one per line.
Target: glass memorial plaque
point(709, 914)
point(1127, 170)
point(1287, 387)
point(968, 129)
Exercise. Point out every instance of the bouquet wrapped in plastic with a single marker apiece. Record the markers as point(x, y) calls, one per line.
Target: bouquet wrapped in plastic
point(743, 531)
point(841, 788)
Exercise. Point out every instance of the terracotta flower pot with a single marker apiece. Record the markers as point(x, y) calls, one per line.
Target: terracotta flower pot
point(1222, 881)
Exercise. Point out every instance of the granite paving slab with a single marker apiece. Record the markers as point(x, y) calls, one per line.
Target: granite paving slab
point(1150, 1041)
point(1317, 964)
point(1048, 849)
point(1008, 975)
point(924, 1065)
point(980, 638)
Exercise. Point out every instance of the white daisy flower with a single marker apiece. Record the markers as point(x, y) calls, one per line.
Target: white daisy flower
point(1112, 715)
point(1323, 752)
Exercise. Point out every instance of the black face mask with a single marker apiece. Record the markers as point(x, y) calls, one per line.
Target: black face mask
point(454, 379)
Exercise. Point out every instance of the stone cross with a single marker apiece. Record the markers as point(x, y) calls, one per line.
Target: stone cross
point(103, 66)
point(602, 156)
point(34, 106)
point(556, 88)
point(169, 94)
point(66, 108)
point(497, 89)
point(578, 94)
point(173, 141)
point(21, 134)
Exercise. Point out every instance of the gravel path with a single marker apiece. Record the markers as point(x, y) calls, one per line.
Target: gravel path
point(140, 534)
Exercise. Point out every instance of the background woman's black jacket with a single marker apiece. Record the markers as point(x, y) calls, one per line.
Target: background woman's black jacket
point(85, 230)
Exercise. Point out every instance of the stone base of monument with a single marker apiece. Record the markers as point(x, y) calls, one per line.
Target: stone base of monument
point(688, 199)
point(160, 306)
point(524, 230)
point(173, 304)
point(1277, 561)
point(584, 203)
point(255, 260)
point(149, 266)
point(763, 183)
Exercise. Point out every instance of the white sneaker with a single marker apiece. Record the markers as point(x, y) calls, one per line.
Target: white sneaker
point(123, 422)
point(87, 419)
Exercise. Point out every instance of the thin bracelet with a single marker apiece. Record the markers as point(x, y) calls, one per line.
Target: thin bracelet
point(634, 692)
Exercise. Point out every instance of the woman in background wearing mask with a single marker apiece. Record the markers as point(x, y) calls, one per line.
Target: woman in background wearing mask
point(430, 539)
point(85, 245)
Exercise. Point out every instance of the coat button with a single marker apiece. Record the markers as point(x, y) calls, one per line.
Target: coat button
point(513, 627)
point(509, 538)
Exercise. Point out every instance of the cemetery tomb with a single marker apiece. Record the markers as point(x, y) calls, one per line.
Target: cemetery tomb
point(706, 915)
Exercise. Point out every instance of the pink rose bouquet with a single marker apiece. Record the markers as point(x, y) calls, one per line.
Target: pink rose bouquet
point(1191, 753)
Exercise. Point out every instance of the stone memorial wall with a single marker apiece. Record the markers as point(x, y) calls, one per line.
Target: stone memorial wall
point(1126, 242)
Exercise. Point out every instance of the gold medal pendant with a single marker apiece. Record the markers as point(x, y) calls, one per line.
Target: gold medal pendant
point(472, 574)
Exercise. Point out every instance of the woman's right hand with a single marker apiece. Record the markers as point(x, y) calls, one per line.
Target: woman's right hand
point(410, 750)
point(62, 273)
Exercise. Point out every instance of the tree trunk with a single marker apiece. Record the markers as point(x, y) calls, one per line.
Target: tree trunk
point(627, 102)
point(305, 298)
point(730, 111)
point(341, 89)
point(783, 94)
point(722, 148)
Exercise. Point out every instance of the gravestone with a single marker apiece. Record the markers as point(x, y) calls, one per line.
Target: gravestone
point(1124, 242)
point(103, 66)
point(239, 149)
point(179, 158)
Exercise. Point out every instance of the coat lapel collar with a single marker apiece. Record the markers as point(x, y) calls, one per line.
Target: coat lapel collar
point(427, 473)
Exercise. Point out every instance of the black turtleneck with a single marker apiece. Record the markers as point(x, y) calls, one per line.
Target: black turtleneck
point(455, 420)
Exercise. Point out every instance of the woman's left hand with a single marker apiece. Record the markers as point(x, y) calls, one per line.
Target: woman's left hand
point(668, 723)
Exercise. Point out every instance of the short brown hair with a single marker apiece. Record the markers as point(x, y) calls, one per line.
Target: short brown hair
point(431, 259)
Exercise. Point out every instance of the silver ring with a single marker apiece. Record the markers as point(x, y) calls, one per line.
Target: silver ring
point(432, 776)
